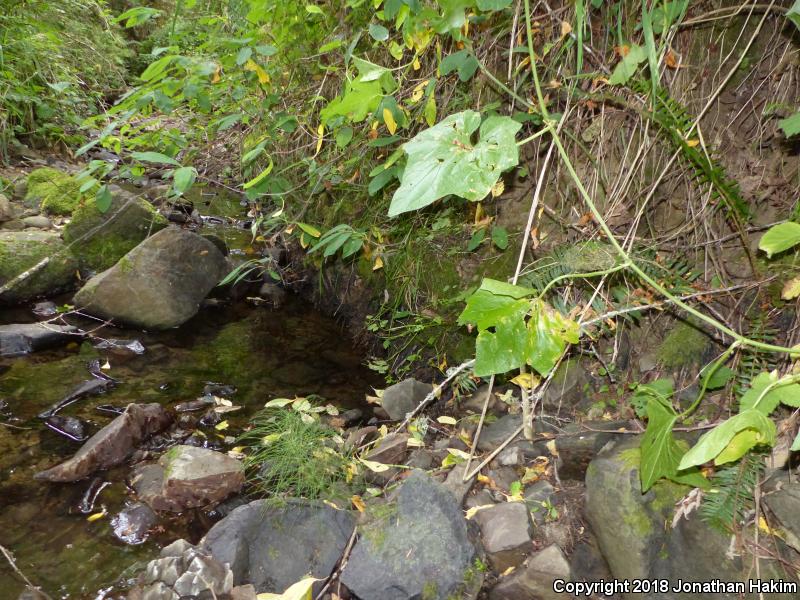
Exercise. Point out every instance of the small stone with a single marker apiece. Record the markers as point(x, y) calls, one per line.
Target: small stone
point(511, 457)
point(391, 450)
point(133, 523)
point(402, 398)
point(456, 484)
point(244, 592)
point(420, 459)
point(535, 579)
point(176, 548)
point(6, 209)
point(16, 340)
point(37, 222)
point(537, 497)
point(506, 534)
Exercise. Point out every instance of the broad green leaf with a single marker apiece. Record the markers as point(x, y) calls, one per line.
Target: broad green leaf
point(310, 229)
point(487, 5)
point(501, 288)
point(157, 67)
point(793, 14)
point(379, 33)
point(780, 237)
point(155, 157)
point(664, 15)
point(244, 55)
point(718, 378)
point(549, 332)
point(463, 61)
point(790, 125)
point(353, 245)
point(476, 239)
point(103, 199)
point(502, 350)
point(500, 237)
point(260, 177)
point(713, 443)
point(740, 445)
point(486, 309)
point(183, 179)
point(314, 9)
point(442, 160)
point(628, 66)
point(779, 393)
point(661, 389)
point(344, 136)
point(228, 121)
point(359, 100)
point(266, 50)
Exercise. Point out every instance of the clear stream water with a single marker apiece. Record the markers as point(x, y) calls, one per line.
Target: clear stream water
point(264, 353)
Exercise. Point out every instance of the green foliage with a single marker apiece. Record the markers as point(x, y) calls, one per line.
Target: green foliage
point(443, 160)
point(779, 238)
point(729, 501)
point(291, 453)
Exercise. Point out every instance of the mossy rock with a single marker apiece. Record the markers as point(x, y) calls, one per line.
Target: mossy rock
point(21, 250)
point(685, 345)
point(53, 191)
point(102, 239)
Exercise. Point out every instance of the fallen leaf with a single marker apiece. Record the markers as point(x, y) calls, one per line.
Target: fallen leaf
point(791, 289)
point(388, 118)
point(566, 29)
point(358, 503)
point(378, 264)
point(445, 420)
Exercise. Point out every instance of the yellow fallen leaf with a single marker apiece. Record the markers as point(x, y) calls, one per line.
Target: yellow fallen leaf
point(791, 289)
point(97, 516)
point(471, 512)
point(458, 453)
point(566, 29)
point(373, 466)
point(215, 78)
point(388, 118)
point(498, 188)
point(320, 136)
point(503, 574)
point(551, 447)
point(445, 420)
point(221, 426)
point(358, 503)
point(378, 264)
point(526, 380)
point(416, 64)
point(298, 591)
point(692, 143)
point(418, 91)
point(253, 66)
point(485, 480)
point(415, 443)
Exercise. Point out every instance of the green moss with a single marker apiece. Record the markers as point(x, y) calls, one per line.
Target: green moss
point(55, 192)
point(101, 239)
point(430, 591)
point(22, 250)
point(683, 346)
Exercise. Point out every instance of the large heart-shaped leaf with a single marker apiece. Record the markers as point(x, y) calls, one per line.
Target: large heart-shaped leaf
point(721, 443)
point(443, 160)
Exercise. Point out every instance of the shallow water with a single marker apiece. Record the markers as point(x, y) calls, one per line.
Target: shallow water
point(263, 353)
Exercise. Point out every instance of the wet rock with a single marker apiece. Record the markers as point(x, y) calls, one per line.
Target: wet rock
point(89, 497)
point(273, 293)
point(104, 238)
point(37, 222)
point(273, 546)
point(188, 477)
point(91, 387)
point(401, 398)
point(631, 535)
point(22, 251)
point(133, 523)
point(222, 390)
point(121, 347)
point(184, 572)
point(112, 444)
point(417, 547)
point(70, 427)
point(505, 533)
point(45, 309)
point(535, 579)
point(159, 284)
point(31, 337)
point(195, 405)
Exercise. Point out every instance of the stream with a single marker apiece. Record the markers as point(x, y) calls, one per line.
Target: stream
point(263, 353)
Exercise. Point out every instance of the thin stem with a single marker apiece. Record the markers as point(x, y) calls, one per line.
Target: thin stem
point(714, 368)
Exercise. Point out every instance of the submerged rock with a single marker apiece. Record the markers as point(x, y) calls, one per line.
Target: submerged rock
point(133, 523)
point(21, 251)
point(188, 477)
point(103, 238)
point(273, 546)
point(417, 546)
point(157, 285)
point(31, 337)
point(112, 444)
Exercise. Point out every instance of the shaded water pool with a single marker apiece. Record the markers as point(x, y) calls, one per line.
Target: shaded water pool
point(263, 353)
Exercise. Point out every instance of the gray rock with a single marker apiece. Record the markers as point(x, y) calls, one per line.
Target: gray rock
point(190, 573)
point(6, 209)
point(418, 547)
point(587, 562)
point(505, 533)
point(391, 450)
point(111, 445)
point(784, 503)
point(401, 398)
point(631, 535)
point(456, 484)
point(481, 498)
point(188, 477)
point(157, 285)
point(20, 188)
point(567, 387)
point(24, 251)
point(31, 337)
point(176, 548)
point(537, 497)
point(497, 432)
point(273, 546)
point(37, 222)
point(535, 579)
point(133, 523)
point(511, 456)
point(13, 225)
point(420, 459)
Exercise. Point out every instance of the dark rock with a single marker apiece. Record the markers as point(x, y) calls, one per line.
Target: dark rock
point(505, 533)
point(538, 496)
point(133, 523)
point(416, 547)
point(273, 292)
point(223, 390)
point(475, 401)
point(37, 222)
point(157, 285)
point(70, 427)
point(273, 546)
point(358, 437)
point(7, 211)
point(587, 562)
point(567, 386)
point(456, 484)
point(92, 387)
point(402, 398)
point(535, 579)
point(481, 498)
point(497, 432)
point(420, 459)
point(630, 531)
point(503, 477)
point(391, 450)
point(112, 444)
point(188, 477)
point(580, 442)
point(194, 405)
point(16, 340)
point(784, 503)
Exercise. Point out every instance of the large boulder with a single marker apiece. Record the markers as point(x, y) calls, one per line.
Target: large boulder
point(157, 285)
point(102, 238)
point(30, 337)
point(416, 546)
point(631, 532)
point(274, 545)
point(52, 191)
point(111, 445)
point(21, 251)
point(188, 477)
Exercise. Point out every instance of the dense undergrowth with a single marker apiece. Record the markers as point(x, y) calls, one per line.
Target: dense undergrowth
point(631, 150)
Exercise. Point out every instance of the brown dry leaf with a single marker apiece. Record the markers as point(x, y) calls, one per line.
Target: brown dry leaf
point(358, 503)
point(622, 51)
point(671, 60)
point(585, 219)
point(566, 29)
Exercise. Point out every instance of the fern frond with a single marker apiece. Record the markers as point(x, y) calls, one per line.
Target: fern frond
point(730, 499)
